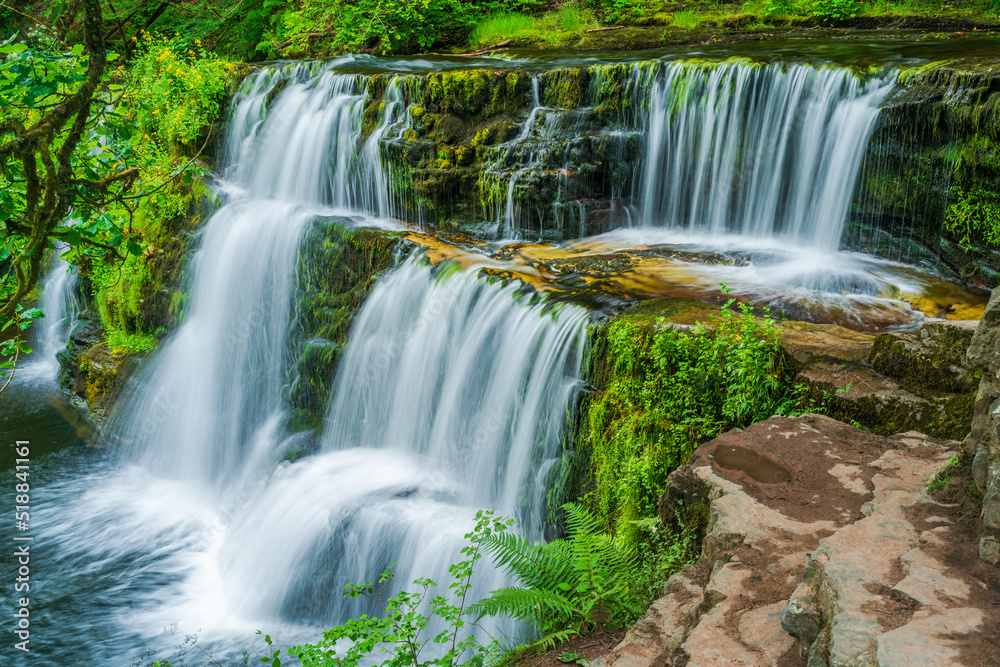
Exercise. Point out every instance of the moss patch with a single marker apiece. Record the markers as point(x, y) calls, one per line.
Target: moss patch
point(337, 269)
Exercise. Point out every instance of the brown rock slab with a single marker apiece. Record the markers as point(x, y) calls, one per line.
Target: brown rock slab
point(847, 560)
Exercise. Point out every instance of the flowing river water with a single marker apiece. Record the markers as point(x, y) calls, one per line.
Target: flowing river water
point(453, 391)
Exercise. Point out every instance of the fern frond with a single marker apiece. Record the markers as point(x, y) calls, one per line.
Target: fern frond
point(551, 640)
point(580, 522)
point(525, 604)
point(534, 565)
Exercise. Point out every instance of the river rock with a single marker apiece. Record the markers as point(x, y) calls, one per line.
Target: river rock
point(888, 382)
point(844, 559)
point(984, 438)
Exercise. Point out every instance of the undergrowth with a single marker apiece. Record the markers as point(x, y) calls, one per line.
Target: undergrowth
point(669, 390)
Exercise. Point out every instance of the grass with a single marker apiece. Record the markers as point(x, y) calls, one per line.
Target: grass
point(687, 18)
point(548, 28)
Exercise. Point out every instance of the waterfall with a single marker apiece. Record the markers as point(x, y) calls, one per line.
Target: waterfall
point(60, 305)
point(451, 398)
point(764, 151)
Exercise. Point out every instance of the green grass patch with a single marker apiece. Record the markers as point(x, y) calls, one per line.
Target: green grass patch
point(498, 28)
point(687, 18)
point(549, 28)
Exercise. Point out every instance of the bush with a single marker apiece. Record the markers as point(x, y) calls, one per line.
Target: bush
point(175, 88)
point(836, 9)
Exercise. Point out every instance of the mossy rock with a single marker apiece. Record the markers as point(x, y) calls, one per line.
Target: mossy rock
point(929, 360)
point(338, 267)
point(565, 87)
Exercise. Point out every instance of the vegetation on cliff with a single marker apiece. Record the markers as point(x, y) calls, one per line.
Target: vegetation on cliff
point(662, 390)
point(100, 162)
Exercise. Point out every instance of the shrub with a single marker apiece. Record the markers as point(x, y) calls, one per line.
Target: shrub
point(836, 9)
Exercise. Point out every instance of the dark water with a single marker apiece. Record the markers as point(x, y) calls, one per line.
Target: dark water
point(860, 50)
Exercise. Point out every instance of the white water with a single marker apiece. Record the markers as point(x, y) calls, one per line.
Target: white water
point(450, 398)
point(761, 151)
point(61, 306)
point(195, 522)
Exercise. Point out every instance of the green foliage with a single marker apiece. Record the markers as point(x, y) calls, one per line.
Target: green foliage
point(621, 11)
point(687, 18)
point(175, 88)
point(498, 27)
point(118, 340)
point(543, 29)
point(974, 216)
point(943, 477)
point(399, 636)
point(125, 178)
point(668, 390)
point(567, 587)
point(389, 26)
point(14, 345)
point(836, 9)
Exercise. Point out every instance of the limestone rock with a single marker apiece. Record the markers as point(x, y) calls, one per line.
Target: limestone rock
point(845, 561)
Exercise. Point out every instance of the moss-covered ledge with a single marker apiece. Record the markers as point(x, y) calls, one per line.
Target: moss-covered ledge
point(930, 188)
point(337, 268)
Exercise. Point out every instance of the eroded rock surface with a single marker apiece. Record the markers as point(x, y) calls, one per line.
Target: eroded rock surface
point(850, 562)
point(984, 439)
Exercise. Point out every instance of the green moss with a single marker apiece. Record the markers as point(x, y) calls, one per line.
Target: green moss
point(565, 87)
point(936, 367)
point(338, 267)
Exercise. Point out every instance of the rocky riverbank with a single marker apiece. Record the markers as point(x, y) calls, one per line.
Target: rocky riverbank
point(824, 545)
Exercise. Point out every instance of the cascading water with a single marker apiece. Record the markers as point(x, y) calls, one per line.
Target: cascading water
point(763, 151)
point(60, 305)
point(451, 399)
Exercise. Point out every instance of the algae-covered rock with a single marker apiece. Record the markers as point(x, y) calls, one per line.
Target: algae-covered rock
point(887, 383)
point(931, 359)
point(93, 374)
point(338, 267)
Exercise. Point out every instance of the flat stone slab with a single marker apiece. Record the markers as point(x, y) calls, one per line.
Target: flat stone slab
point(823, 549)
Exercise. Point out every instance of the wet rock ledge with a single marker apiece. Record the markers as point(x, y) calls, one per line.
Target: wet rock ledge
point(823, 547)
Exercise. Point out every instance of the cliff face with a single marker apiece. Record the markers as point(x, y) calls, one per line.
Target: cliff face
point(929, 191)
point(560, 154)
point(984, 440)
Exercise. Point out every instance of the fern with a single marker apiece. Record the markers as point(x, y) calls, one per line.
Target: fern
point(567, 587)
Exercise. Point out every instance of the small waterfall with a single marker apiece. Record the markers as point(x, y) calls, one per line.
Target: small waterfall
point(757, 150)
point(451, 398)
point(60, 305)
